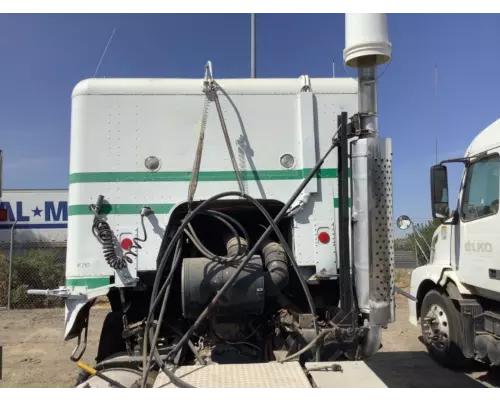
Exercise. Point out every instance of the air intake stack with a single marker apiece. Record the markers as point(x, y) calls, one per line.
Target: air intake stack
point(366, 47)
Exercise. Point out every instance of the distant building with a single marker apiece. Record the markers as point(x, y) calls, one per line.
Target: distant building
point(36, 215)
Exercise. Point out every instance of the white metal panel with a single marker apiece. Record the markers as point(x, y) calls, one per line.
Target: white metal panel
point(354, 374)
point(122, 131)
point(325, 254)
point(162, 86)
point(261, 375)
point(114, 131)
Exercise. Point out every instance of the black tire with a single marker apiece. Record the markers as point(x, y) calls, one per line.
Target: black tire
point(449, 355)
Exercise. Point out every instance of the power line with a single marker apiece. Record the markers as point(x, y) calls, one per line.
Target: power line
point(104, 53)
point(436, 109)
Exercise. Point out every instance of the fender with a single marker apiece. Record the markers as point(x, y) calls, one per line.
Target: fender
point(425, 278)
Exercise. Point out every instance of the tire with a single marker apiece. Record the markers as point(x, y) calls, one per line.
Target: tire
point(445, 349)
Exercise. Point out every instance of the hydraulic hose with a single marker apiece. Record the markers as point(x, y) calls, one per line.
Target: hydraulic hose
point(206, 312)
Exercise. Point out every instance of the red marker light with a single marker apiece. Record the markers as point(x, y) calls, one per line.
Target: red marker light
point(126, 243)
point(324, 237)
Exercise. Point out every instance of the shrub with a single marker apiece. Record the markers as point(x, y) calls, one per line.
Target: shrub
point(36, 269)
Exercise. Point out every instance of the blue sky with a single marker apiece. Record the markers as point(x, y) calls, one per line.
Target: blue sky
point(44, 56)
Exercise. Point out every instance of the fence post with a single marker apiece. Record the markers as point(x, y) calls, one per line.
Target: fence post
point(11, 253)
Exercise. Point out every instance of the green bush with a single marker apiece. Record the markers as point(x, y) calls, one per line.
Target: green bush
point(36, 269)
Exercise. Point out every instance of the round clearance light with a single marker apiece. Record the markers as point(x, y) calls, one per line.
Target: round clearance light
point(126, 243)
point(152, 163)
point(287, 161)
point(324, 237)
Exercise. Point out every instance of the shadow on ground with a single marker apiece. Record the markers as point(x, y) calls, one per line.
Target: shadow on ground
point(416, 369)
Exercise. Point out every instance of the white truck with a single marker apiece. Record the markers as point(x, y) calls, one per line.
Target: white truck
point(241, 228)
point(456, 296)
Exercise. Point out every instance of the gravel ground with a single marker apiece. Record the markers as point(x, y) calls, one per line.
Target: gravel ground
point(35, 355)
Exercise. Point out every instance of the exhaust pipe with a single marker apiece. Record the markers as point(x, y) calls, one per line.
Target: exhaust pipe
point(366, 47)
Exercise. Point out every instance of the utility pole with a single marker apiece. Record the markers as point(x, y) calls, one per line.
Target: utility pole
point(252, 45)
point(436, 128)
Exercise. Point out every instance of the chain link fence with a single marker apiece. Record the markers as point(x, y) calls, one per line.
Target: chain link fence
point(30, 265)
point(415, 243)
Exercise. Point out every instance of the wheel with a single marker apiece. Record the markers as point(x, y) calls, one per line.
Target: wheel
point(442, 330)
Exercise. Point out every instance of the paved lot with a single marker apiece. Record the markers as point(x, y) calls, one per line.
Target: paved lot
point(36, 356)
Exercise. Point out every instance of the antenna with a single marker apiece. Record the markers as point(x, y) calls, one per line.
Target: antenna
point(436, 109)
point(104, 53)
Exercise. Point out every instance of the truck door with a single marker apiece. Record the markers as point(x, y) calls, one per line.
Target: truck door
point(479, 255)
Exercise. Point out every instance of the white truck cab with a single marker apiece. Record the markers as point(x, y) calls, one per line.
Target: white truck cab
point(458, 292)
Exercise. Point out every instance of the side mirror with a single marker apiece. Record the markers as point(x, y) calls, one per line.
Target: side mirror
point(439, 192)
point(403, 222)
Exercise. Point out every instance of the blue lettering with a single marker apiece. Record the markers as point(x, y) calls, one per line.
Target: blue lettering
point(19, 211)
point(6, 204)
point(51, 214)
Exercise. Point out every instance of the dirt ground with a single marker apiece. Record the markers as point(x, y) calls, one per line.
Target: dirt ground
point(34, 354)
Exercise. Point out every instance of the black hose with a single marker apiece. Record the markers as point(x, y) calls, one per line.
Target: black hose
point(222, 218)
point(206, 312)
point(273, 226)
point(166, 286)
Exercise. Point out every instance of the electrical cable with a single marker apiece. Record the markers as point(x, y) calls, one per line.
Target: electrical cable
point(248, 256)
point(175, 262)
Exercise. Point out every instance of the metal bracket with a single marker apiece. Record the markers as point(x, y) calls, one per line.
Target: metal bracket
point(356, 125)
point(306, 83)
point(470, 310)
point(298, 205)
point(209, 77)
point(78, 352)
point(61, 292)
point(405, 294)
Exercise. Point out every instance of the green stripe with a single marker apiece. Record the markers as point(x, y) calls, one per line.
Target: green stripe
point(206, 176)
point(336, 202)
point(91, 283)
point(83, 209)
point(131, 209)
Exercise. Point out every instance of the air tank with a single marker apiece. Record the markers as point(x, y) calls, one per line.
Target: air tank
point(366, 40)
